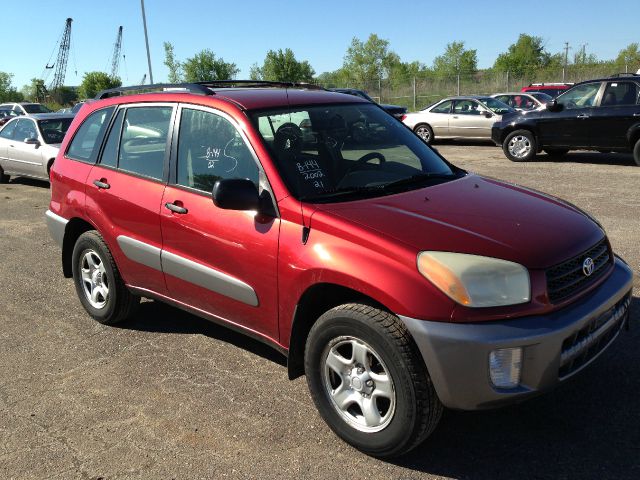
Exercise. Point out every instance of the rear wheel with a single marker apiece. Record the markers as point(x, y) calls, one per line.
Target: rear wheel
point(3, 178)
point(425, 132)
point(520, 146)
point(636, 152)
point(100, 288)
point(369, 382)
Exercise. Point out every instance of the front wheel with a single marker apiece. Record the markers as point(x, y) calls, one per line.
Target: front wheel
point(520, 146)
point(369, 381)
point(3, 178)
point(636, 152)
point(100, 288)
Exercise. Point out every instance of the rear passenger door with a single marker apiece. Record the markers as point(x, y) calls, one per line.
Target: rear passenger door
point(124, 191)
point(617, 112)
point(222, 262)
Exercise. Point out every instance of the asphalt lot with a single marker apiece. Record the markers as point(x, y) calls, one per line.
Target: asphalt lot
point(168, 395)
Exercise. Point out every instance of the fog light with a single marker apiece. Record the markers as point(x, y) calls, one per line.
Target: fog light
point(505, 366)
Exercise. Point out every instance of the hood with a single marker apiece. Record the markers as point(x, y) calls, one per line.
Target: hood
point(479, 216)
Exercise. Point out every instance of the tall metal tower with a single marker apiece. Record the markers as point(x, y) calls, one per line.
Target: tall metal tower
point(63, 56)
point(115, 58)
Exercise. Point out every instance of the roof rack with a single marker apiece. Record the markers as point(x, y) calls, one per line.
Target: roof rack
point(556, 84)
point(202, 88)
point(629, 74)
point(163, 87)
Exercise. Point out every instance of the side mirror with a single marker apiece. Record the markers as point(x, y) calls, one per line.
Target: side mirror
point(32, 141)
point(235, 194)
point(488, 114)
point(554, 106)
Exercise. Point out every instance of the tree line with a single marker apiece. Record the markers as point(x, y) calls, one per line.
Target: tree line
point(363, 62)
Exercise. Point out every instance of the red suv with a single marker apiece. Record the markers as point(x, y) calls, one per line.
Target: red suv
point(552, 89)
point(397, 282)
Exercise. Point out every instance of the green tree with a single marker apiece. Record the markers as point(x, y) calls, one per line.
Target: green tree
point(525, 57)
point(174, 66)
point(94, 82)
point(204, 66)
point(7, 92)
point(370, 60)
point(628, 57)
point(36, 91)
point(282, 66)
point(456, 59)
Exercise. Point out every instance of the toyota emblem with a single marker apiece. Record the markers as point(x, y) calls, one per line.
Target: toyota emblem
point(588, 266)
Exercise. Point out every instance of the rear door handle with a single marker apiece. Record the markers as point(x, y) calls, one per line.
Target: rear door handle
point(175, 208)
point(583, 115)
point(101, 184)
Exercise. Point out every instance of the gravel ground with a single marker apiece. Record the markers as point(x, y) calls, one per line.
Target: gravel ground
point(169, 395)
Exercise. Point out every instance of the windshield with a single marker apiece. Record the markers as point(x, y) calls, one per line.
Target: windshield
point(543, 97)
point(496, 106)
point(344, 152)
point(53, 130)
point(35, 108)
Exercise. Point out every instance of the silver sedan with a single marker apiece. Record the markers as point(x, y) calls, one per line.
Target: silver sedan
point(468, 117)
point(29, 144)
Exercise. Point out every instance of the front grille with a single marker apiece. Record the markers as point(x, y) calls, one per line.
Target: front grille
point(567, 278)
point(585, 344)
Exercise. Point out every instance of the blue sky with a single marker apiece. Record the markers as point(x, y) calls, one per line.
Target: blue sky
point(320, 32)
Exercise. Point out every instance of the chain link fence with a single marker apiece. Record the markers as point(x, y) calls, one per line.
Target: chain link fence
point(420, 91)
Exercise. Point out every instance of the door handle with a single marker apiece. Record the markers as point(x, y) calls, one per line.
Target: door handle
point(176, 208)
point(101, 184)
point(583, 115)
point(636, 114)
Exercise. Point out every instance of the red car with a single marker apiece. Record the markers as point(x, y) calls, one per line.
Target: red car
point(397, 282)
point(551, 89)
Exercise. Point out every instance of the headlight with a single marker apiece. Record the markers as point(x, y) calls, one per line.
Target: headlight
point(475, 281)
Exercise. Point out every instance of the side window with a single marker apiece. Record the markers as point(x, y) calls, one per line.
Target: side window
point(7, 132)
point(620, 93)
point(444, 107)
point(580, 97)
point(466, 107)
point(144, 140)
point(88, 136)
point(110, 152)
point(210, 148)
point(25, 129)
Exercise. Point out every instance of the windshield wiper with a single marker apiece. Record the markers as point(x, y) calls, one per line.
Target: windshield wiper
point(418, 179)
point(340, 192)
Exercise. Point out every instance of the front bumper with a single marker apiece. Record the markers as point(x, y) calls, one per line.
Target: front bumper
point(555, 346)
point(496, 135)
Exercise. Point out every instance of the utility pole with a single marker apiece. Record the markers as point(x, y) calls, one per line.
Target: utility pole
point(146, 39)
point(566, 60)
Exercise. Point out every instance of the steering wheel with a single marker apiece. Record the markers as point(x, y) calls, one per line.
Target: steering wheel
point(371, 156)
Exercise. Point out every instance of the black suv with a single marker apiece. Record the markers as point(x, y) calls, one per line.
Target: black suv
point(601, 115)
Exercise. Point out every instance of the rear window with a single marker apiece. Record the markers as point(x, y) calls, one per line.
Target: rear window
point(86, 141)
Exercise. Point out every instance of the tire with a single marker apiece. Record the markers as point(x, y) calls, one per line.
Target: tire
point(636, 152)
point(556, 152)
point(425, 132)
point(520, 146)
point(3, 178)
point(380, 371)
point(98, 283)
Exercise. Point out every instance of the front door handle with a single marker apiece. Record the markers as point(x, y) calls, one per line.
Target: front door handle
point(175, 208)
point(583, 115)
point(636, 114)
point(101, 184)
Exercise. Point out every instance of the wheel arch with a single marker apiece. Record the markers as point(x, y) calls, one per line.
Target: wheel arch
point(316, 300)
point(73, 230)
point(512, 128)
point(633, 135)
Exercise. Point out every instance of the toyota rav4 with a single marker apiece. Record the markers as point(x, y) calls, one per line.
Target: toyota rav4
point(397, 282)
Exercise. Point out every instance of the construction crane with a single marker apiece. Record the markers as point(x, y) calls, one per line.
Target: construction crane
point(115, 57)
point(63, 56)
point(144, 77)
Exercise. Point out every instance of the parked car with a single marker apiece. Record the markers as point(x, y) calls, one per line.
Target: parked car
point(24, 108)
point(466, 117)
point(601, 114)
point(29, 144)
point(395, 110)
point(524, 102)
point(396, 281)
point(551, 89)
point(6, 114)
